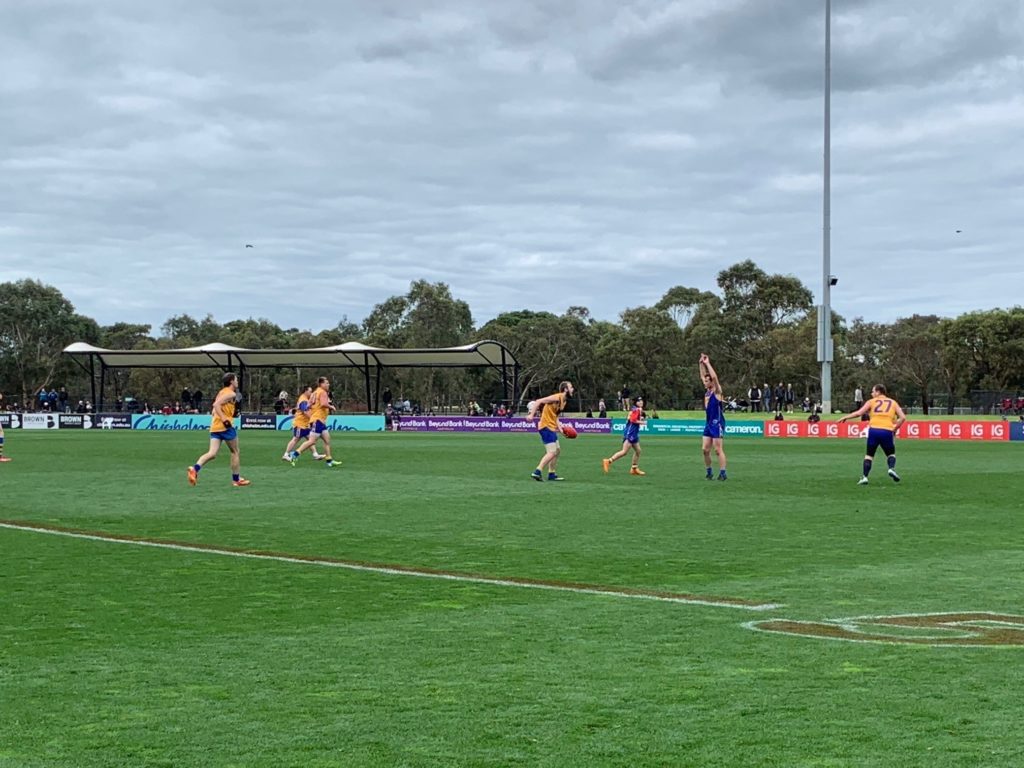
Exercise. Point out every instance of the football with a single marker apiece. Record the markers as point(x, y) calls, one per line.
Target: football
point(569, 431)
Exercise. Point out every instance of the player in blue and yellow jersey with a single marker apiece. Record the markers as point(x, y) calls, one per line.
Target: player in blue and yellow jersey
point(319, 406)
point(549, 428)
point(300, 424)
point(714, 424)
point(886, 418)
point(222, 432)
point(630, 439)
point(3, 458)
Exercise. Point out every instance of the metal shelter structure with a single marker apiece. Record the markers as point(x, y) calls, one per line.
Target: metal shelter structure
point(371, 361)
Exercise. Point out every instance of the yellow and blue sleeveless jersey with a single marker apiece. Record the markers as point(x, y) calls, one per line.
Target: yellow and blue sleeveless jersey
point(302, 409)
point(549, 415)
point(882, 411)
point(317, 410)
point(228, 409)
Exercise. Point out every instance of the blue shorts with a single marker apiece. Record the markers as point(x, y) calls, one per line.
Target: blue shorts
point(300, 431)
point(713, 431)
point(227, 434)
point(631, 436)
point(881, 438)
point(319, 427)
point(548, 436)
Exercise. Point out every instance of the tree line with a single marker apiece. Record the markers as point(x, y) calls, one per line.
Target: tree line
point(757, 327)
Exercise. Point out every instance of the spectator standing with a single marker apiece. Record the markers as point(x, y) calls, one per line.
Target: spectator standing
point(625, 397)
point(858, 398)
point(387, 397)
point(779, 397)
point(790, 398)
point(43, 402)
point(766, 397)
point(754, 397)
point(53, 400)
point(62, 400)
point(186, 398)
point(197, 400)
point(602, 409)
point(119, 404)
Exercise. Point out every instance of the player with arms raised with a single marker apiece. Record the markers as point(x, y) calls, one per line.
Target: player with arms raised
point(886, 419)
point(549, 428)
point(714, 424)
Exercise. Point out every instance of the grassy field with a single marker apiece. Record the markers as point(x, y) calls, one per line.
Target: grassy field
point(119, 654)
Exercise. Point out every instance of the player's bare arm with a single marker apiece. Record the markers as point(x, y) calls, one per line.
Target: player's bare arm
point(901, 419)
point(858, 413)
point(218, 407)
point(536, 404)
point(715, 385)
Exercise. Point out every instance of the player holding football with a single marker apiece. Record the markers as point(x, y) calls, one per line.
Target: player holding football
point(714, 425)
point(319, 406)
point(630, 439)
point(300, 425)
point(549, 428)
point(222, 431)
point(886, 419)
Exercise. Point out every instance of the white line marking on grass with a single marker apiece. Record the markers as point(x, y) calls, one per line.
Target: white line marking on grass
point(396, 570)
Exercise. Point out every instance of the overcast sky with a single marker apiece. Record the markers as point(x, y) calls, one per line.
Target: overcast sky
point(531, 154)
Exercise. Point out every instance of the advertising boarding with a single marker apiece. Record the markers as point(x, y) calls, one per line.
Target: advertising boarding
point(173, 421)
point(692, 427)
point(39, 421)
point(912, 430)
point(494, 424)
point(370, 422)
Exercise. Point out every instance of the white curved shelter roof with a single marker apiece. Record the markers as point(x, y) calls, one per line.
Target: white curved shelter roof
point(351, 354)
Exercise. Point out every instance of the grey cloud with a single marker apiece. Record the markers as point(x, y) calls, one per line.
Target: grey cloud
point(482, 144)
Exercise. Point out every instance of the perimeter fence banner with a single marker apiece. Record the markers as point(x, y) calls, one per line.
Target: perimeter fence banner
point(40, 421)
point(10, 420)
point(692, 427)
point(259, 420)
point(112, 421)
point(977, 431)
point(174, 421)
point(912, 430)
point(77, 421)
point(340, 423)
point(496, 424)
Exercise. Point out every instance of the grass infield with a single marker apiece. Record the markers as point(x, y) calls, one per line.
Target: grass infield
point(118, 654)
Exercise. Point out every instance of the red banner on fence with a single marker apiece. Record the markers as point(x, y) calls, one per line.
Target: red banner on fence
point(912, 430)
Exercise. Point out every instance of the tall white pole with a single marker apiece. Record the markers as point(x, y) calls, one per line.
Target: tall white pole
point(825, 319)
